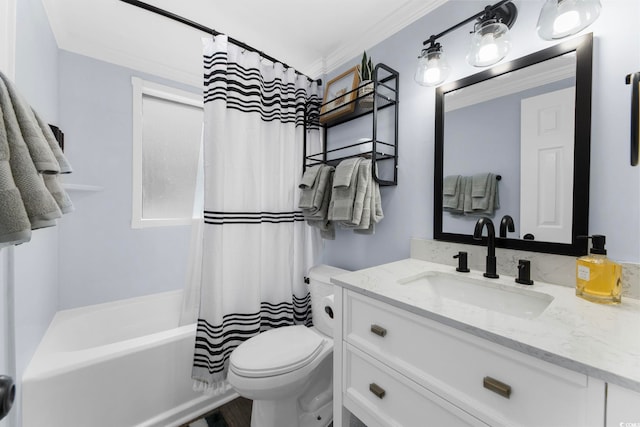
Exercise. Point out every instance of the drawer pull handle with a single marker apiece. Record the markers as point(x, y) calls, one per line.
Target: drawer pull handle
point(378, 330)
point(377, 390)
point(496, 386)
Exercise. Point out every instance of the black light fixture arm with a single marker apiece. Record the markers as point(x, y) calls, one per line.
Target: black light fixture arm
point(190, 23)
point(493, 11)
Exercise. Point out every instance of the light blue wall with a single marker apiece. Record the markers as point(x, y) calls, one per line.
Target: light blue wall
point(408, 208)
point(101, 257)
point(36, 262)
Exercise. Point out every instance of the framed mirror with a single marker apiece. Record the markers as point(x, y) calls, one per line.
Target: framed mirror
point(514, 140)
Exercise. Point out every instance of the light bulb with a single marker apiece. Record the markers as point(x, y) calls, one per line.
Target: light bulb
point(433, 68)
point(562, 18)
point(490, 43)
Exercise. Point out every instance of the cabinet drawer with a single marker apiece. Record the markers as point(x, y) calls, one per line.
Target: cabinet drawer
point(460, 367)
point(379, 396)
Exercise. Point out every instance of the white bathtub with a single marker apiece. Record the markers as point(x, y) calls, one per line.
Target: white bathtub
point(119, 364)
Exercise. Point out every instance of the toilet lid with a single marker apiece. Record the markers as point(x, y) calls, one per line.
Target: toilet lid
point(276, 352)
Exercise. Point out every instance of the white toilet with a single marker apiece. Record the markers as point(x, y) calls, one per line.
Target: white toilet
point(288, 371)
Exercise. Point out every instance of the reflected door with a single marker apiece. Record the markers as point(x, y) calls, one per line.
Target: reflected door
point(546, 166)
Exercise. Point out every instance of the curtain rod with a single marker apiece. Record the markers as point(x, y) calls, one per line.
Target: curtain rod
point(208, 30)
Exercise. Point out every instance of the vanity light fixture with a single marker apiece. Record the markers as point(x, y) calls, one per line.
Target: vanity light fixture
point(562, 18)
point(433, 67)
point(490, 43)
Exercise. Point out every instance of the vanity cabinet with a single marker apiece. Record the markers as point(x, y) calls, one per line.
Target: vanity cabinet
point(623, 407)
point(397, 368)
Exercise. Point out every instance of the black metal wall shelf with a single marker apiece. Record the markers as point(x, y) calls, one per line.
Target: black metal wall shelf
point(385, 95)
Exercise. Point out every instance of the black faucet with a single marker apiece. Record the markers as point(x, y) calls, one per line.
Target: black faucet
point(506, 224)
point(491, 245)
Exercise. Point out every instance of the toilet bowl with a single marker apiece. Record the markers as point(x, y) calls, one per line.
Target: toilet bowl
point(288, 371)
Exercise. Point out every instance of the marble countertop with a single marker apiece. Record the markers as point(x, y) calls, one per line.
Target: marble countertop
point(602, 341)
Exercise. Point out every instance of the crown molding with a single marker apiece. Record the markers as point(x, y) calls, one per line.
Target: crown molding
point(407, 13)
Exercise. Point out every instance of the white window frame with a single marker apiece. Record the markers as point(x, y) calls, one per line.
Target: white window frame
point(140, 88)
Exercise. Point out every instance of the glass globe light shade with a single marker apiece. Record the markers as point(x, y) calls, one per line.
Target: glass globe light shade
point(489, 44)
point(433, 68)
point(562, 18)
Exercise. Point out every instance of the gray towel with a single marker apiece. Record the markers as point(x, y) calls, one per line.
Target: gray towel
point(52, 182)
point(319, 218)
point(41, 155)
point(311, 198)
point(484, 194)
point(452, 193)
point(364, 180)
point(14, 222)
point(41, 207)
point(342, 197)
point(345, 171)
point(65, 167)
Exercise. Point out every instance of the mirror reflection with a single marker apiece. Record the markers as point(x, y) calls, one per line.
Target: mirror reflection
point(508, 150)
point(513, 142)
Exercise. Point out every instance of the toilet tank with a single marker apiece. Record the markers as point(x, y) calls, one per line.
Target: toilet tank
point(320, 287)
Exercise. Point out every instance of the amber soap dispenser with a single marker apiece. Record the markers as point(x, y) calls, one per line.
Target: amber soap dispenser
point(597, 277)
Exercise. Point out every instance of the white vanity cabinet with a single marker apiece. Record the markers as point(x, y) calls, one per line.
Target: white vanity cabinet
point(623, 407)
point(397, 368)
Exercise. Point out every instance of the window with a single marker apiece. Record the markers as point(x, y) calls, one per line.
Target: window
point(167, 134)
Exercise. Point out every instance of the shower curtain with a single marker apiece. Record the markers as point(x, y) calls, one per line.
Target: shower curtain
point(256, 246)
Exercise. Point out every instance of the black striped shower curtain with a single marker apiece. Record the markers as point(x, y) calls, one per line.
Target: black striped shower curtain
point(256, 246)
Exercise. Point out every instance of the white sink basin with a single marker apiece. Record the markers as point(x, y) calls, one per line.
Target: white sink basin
point(484, 293)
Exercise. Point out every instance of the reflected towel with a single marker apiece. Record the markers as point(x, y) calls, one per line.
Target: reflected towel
point(484, 194)
point(452, 193)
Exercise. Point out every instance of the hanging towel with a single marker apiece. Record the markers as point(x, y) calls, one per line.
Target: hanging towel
point(39, 150)
point(484, 194)
point(362, 190)
point(52, 182)
point(15, 227)
point(41, 207)
point(319, 218)
point(343, 196)
point(452, 193)
point(313, 187)
point(65, 167)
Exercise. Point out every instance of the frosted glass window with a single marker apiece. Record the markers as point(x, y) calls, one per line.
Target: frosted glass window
point(167, 140)
point(170, 147)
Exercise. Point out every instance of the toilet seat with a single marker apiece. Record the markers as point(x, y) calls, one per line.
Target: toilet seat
point(276, 352)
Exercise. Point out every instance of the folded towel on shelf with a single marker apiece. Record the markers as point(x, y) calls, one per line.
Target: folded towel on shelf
point(15, 227)
point(39, 150)
point(41, 207)
point(484, 194)
point(343, 196)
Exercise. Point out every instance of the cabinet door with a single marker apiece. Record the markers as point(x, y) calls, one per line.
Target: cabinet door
point(623, 407)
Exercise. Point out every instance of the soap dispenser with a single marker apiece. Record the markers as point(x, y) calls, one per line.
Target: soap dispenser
point(597, 277)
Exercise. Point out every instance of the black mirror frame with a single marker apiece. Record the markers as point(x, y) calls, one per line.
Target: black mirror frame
point(583, 46)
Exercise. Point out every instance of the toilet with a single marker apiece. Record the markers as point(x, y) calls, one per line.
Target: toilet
point(288, 371)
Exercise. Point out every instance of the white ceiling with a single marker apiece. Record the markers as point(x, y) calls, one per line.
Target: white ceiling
point(314, 36)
